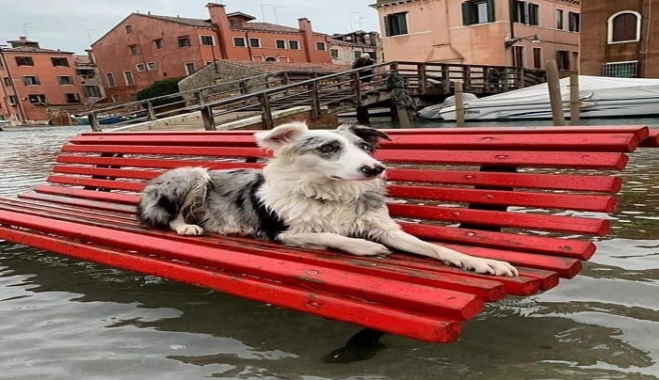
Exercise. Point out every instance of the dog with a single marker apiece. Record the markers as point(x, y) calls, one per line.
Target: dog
point(322, 189)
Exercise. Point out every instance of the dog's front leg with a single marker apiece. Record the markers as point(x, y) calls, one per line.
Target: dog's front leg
point(401, 240)
point(182, 228)
point(359, 247)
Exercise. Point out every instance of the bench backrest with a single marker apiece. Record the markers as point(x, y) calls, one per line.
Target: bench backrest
point(511, 190)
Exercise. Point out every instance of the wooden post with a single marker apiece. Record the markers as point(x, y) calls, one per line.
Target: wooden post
point(422, 78)
point(93, 122)
point(459, 104)
point(403, 117)
point(363, 117)
point(555, 93)
point(574, 99)
point(266, 116)
point(150, 112)
point(446, 77)
point(208, 119)
point(315, 100)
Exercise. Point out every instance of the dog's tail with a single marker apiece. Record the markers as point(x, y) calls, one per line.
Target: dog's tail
point(180, 191)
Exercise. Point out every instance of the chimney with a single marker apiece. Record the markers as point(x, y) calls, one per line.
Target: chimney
point(307, 34)
point(218, 15)
point(22, 38)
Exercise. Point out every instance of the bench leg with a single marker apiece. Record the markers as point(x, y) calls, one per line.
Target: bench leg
point(361, 346)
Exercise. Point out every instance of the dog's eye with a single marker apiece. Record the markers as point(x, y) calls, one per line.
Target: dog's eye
point(328, 148)
point(366, 146)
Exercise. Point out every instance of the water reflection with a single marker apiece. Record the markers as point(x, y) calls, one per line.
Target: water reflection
point(66, 319)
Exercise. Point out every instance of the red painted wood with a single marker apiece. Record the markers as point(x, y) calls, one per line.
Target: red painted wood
point(126, 199)
point(507, 198)
point(609, 142)
point(417, 298)
point(571, 248)
point(379, 317)
point(652, 141)
point(151, 163)
point(571, 160)
point(592, 183)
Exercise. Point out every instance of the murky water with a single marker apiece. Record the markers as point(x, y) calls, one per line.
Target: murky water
point(63, 319)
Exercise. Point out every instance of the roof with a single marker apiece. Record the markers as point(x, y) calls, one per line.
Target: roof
point(267, 27)
point(336, 41)
point(181, 20)
point(276, 67)
point(250, 25)
point(241, 14)
point(27, 49)
point(82, 60)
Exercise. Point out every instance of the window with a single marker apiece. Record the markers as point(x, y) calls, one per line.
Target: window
point(270, 59)
point(128, 78)
point(334, 53)
point(140, 67)
point(158, 43)
point(91, 91)
point(190, 68)
point(518, 56)
point(280, 44)
point(24, 61)
point(236, 23)
point(13, 100)
point(37, 98)
point(109, 78)
point(477, 12)
point(559, 19)
point(534, 14)
point(60, 62)
point(239, 42)
point(563, 60)
point(64, 80)
point(72, 98)
point(31, 80)
point(133, 50)
point(395, 24)
point(151, 66)
point(320, 46)
point(574, 22)
point(537, 58)
point(207, 41)
point(184, 42)
point(519, 11)
point(627, 69)
point(254, 42)
point(7, 81)
point(357, 54)
point(624, 27)
point(283, 59)
point(294, 45)
point(116, 99)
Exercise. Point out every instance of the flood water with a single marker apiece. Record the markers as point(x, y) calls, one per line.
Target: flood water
point(62, 319)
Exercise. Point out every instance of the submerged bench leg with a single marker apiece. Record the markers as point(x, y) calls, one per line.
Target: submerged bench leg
point(361, 346)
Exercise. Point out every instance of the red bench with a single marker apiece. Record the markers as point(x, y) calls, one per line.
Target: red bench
point(511, 191)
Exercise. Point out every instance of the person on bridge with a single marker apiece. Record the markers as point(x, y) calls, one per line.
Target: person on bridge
point(365, 76)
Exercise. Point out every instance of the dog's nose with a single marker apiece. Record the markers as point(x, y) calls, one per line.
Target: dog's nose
point(372, 171)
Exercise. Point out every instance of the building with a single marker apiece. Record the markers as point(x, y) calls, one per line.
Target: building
point(144, 47)
point(34, 79)
point(89, 78)
point(346, 48)
point(482, 32)
point(618, 38)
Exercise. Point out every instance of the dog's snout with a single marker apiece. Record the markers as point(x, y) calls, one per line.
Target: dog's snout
point(372, 171)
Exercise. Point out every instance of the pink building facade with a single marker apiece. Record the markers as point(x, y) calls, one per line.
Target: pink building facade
point(482, 32)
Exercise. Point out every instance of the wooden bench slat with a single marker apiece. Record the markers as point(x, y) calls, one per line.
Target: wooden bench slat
point(572, 248)
point(597, 160)
point(430, 329)
point(417, 298)
point(619, 142)
point(605, 184)
point(486, 287)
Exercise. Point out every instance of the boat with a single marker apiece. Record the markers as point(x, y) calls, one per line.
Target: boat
point(103, 120)
point(599, 97)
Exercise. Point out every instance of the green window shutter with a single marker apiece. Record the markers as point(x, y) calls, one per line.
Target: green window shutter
point(490, 11)
point(466, 13)
point(387, 27)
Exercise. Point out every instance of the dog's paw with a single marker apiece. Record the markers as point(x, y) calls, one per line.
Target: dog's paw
point(189, 229)
point(361, 247)
point(487, 266)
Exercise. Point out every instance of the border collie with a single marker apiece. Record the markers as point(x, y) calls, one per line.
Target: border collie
point(323, 189)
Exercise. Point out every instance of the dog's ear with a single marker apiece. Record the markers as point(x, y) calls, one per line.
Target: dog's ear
point(280, 135)
point(368, 134)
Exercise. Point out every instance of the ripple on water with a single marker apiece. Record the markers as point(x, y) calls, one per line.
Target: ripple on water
point(65, 319)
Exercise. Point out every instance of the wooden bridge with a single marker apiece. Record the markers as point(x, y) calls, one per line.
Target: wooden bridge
point(268, 94)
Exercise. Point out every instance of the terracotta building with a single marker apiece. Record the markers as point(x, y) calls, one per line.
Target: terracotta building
point(144, 48)
point(619, 39)
point(481, 32)
point(34, 79)
point(346, 48)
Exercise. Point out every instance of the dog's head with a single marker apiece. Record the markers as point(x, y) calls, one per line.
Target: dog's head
point(342, 154)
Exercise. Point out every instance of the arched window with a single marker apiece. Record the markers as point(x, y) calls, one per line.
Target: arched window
point(624, 26)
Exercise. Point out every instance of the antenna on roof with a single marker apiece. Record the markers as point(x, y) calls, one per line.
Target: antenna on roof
point(263, 11)
point(276, 15)
point(352, 28)
point(25, 29)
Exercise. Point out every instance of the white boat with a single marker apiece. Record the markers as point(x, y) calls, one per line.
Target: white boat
point(599, 97)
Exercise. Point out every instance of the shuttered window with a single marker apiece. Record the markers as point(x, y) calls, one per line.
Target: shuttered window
point(477, 12)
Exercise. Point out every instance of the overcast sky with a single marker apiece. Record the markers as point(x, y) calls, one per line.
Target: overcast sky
point(70, 25)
